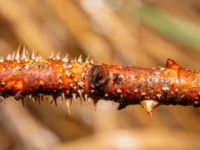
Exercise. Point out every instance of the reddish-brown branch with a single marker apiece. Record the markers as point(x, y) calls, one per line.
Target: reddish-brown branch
point(34, 76)
point(130, 85)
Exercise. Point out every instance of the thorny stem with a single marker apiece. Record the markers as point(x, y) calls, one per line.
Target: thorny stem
point(23, 75)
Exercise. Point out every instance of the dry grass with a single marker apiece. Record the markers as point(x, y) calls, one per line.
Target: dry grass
point(111, 33)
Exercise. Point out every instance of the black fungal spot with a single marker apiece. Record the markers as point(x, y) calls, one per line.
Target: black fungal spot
point(98, 80)
point(116, 78)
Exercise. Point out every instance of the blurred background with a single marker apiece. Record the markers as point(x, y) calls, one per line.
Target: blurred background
point(142, 33)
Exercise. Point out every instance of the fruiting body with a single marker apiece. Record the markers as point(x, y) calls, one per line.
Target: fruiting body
point(32, 76)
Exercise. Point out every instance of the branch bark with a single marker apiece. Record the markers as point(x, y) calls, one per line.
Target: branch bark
point(23, 75)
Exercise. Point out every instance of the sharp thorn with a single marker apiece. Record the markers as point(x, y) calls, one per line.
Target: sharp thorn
point(68, 103)
point(86, 98)
point(1, 99)
point(87, 60)
point(19, 47)
point(63, 96)
point(91, 61)
point(1, 59)
point(17, 56)
point(90, 101)
point(58, 56)
point(52, 55)
point(151, 115)
point(80, 60)
point(33, 99)
point(41, 97)
point(74, 97)
point(81, 96)
point(9, 57)
point(37, 57)
point(13, 55)
point(38, 100)
point(30, 96)
point(27, 56)
point(66, 58)
point(149, 105)
point(33, 55)
point(24, 53)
